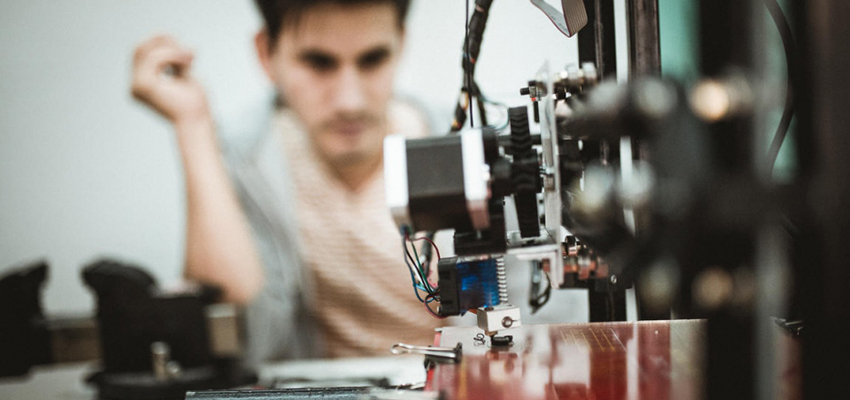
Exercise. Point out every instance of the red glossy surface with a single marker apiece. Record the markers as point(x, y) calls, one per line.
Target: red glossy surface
point(643, 360)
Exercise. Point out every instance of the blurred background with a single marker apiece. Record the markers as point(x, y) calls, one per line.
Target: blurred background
point(86, 172)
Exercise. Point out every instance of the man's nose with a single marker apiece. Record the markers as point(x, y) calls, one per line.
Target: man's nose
point(350, 95)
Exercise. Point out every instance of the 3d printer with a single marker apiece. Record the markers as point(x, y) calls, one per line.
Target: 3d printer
point(661, 186)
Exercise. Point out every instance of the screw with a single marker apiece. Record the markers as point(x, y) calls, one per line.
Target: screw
point(507, 322)
point(613, 279)
point(160, 357)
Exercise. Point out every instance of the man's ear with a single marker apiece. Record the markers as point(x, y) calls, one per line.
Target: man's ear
point(262, 42)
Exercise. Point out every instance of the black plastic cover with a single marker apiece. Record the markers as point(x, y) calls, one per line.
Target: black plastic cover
point(436, 185)
point(449, 287)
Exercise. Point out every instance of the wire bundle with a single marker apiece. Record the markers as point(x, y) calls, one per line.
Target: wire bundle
point(419, 272)
point(472, 46)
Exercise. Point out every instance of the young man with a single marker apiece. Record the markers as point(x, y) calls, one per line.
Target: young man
point(291, 222)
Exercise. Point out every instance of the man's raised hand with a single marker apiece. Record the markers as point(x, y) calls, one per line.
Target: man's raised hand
point(162, 79)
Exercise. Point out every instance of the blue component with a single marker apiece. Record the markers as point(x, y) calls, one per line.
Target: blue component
point(479, 284)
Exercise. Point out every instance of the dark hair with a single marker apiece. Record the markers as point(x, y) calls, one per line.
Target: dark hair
point(277, 12)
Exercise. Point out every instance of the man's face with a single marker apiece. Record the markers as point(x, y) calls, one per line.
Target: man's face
point(335, 68)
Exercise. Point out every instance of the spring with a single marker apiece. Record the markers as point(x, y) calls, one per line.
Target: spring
point(501, 277)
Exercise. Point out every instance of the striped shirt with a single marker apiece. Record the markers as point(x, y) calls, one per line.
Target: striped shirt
point(362, 295)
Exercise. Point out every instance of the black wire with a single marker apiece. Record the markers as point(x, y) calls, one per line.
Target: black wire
point(410, 268)
point(430, 310)
point(423, 278)
point(415, 289)
point(537, 299)
point(790, 56)
point(469, 70)
point(427, 254)
point(475, 26)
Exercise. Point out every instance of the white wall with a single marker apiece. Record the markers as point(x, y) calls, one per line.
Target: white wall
point(87, 172)
point(518, 39)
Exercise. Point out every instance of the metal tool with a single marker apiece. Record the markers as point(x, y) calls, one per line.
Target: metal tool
point(437, 354)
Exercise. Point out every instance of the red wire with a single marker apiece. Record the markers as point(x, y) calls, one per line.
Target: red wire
point(436, 250)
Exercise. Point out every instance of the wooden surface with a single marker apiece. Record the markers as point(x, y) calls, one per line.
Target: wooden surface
point(642, 360)
point(629, 360)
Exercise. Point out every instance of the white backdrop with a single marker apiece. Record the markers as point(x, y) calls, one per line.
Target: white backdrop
point(86, 172)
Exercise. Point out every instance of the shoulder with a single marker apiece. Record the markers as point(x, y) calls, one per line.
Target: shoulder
point(409, 118)
point(242, 133)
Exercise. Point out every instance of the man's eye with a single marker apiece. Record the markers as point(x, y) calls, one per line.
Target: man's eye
point(374, 59)
point(320, 63)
